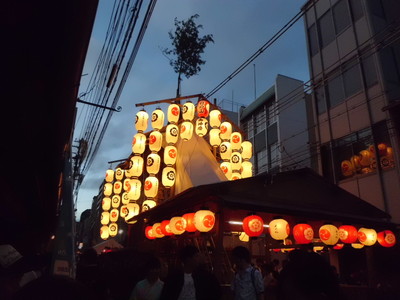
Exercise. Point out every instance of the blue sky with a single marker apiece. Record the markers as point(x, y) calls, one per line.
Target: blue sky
point(239, 28)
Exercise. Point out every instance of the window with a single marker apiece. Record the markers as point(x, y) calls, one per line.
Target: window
point(272, 134)
point(356, 8)
point(248, 128)
point(352, 79)
point(369, 70)
point(274, 159)
point(312, 37)
point(385, 150)
point(341, 16)
point(272, 113)
point(261, 160)
point(376, 8)
point(320, 98)
point(326, 162)
point(260, 120)
point(335, 91)
point(326, 29)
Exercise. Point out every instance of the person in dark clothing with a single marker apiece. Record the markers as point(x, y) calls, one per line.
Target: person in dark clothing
point(191, 282)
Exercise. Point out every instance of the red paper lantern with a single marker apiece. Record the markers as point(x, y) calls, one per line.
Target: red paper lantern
point(303, 233)
point(203, 108)
point(190, 224)
point(348, 234)
point(338, 246)
point(253, 225)
point(165, 229)
point(148, 231)
point(386, 238)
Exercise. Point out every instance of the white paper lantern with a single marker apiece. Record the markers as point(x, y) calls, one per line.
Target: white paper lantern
point(247, 169)
point(106, 203)
point(109, 175)
point(171, 134)
point(214, 140)
point(113, 229)
point(247, 150)
point(119, 174)
point(139, 143)
point(168, 177)
point(329, 234)
point(367, 236)
point(226, 131)
point(127, 184)
point(117, 187)
point(148, 204)
point(115, 201)
point(105, 218)
point(114, 214)
point(170, 153)
point(215, 118)
point(104, 233)
point(125, 198)
point(226, 169)
point(134, 190)
point(151, 187)
point(157, 119)
point(108, 188)
point(236, 141)
point(186, 130)
point(142, 119)
point(157, 230)
point(136, 166)
point(225, 151)
point(279, 229)
point(204, 220)
point(133, 210)
point(203, 109)
point(236, 176)
point(155, 141)
point(201, 127)
point(188, 111)
point(123, 211)
point(177, 225)
point(173, 113)
point(236, 161)
point(153, 163)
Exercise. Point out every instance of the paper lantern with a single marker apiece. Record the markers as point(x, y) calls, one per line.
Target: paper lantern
point(123, 211)
point(329, 234)
point(247, 150)
point(157, 119)
point(226, 169)
point(115, 201)
point(235, 176)
point(389, 152)
point(188, 111)
point(139, 143)
point(170, 153)
point(114, 214)
point(109, 175)
point(134, 191)
point(215, 118)
point(186, 131)
point(365, 158)
point(125, 198)
point(214, 138)
point(357, 246)
point(173, 113)
point(347, 168)
point(119, 174)
point(171, 134)
point(236, 161)
point(151, 187)
point(225, 150)
point(104, 233)
point(148, 232)
point(203, 109)
point(142, 119)
point(201, 128)
point(168, 177)
point(303, 233)
point(157, 230)
point(382, 149)
point(253, 225)
point(226, 131)
point(189, 218)
point(105, 218)
point(108, 188)
point(153, 163)
point(236, 141)
point(148, 204)
point(136, 165)
point(367, 236)
point(133, 209)
point(165, 229)
point(348, 234)
point(318, 248)
point(279, 229)
point(386, 238)
point(117, 187)
point(155, 141)
point(204, 220)
point(247, 169)
point(177, 225)
point(338, 246)
point(126, 184)
point(113, 229)
point(106, 203)
point(243, 237)
point(355, 160)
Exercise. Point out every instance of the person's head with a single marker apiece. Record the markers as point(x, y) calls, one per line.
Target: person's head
point(190, 257)
point(241, 257)
point(153, 269)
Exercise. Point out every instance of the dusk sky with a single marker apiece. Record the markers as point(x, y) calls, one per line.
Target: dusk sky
point(239, 28)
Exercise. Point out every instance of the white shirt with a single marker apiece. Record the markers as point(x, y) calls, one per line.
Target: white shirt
point(188, 291)
point(244, 287)
point(144, 290)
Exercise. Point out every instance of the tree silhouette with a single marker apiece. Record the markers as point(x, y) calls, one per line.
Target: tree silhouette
point(187, 48)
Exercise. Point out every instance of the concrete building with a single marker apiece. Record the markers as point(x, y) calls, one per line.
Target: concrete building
point(354, 61)
point(276, 124)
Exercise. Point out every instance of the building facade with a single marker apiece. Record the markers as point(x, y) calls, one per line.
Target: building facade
point(354, 62)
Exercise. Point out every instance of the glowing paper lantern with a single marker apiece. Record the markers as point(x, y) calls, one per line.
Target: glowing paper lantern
point(382, 149)
point(171, 134)
point(168, 177)
point(365, 158)
point(153, 163)
point(108, 187)
point(125, 198)
point(155, 141)
point(113, 229)
point(109, 175)
point(355, 160)
point(148, 204)
point(133, 209)
point(201, 127)
point(367, 236)
point(115, 201)
point(226, 169)
point(386, 238)
point(203, 109)
point(243, 237)
point(236, 161)
point(329, 234)
point(389, 152)
point(347, 168)
point(151, 187)
point(117, 188)
point(226, 131)
point(204, 220)
point(338, 246)
point(303, 233)
point(170, 154)
point(236, 176)
point(186, 131)
point(123, 211)
point(119, 174)
point(318, 248)
point(142, 119)
point(357, 246)
point(348, 234)
point(114, 214)
point(253, 225)
point(177, 225)
point(173, 113)
point(134, 192)
point(157, 230)
point(165, 229)
point(236, 141)
point(215, 118)
point(157, 119)
point(188, 111)
point(148, 232)
point(247, 150)
point(106, 203)
point(136, 168)
point(139, 143)
point(279, 229)
point(247, 169)
point(105, 218)
point(225, 150)
point(189, 218)
point(214, 140)
point(104, 233)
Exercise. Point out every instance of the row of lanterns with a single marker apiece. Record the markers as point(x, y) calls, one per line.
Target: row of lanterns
point(279, 229)
point(202, 220)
